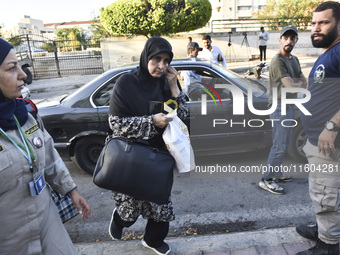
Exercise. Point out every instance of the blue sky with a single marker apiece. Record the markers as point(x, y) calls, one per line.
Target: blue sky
point(50, 11)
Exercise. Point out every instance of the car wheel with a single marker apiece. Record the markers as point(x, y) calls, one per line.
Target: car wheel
point(87, 151)
point(295, 149)
point(29, 78)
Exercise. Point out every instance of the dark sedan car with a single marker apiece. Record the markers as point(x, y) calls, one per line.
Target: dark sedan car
point(79, 125)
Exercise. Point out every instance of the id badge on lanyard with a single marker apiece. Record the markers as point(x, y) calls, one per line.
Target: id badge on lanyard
point(38, 184)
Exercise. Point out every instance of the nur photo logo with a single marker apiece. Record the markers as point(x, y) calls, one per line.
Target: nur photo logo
point(238, 99)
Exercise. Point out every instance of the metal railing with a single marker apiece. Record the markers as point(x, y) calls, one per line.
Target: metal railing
point(50, 58)
point(247, 25)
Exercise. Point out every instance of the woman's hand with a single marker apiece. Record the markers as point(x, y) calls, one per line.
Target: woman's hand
point(81, 204)
point(161, 120)
point(171, 76)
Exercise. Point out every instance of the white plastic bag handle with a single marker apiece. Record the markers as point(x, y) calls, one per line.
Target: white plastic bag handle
point(167, 108)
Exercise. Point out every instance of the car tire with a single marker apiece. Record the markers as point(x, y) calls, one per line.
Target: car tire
point(29, 78)
point(295, 148)
point(87, 151)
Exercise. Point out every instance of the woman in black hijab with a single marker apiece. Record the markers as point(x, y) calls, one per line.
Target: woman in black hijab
point(130, 116)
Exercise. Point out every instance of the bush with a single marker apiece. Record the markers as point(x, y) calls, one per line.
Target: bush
point(155, 17)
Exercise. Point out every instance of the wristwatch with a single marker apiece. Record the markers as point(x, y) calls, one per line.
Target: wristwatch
point(331, 126)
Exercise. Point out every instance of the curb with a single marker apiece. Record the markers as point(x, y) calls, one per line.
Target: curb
point(269, 241)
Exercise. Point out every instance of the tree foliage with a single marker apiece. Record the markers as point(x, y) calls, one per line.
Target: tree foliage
point(15, 40)
point(155, 17)
point(296, 12)
point(97, 29)
point(72, 38)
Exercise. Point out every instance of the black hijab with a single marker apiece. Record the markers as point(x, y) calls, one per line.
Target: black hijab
point(134, 91)
point(9, 107)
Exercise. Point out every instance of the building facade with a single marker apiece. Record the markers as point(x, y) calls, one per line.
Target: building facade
point(235, 9)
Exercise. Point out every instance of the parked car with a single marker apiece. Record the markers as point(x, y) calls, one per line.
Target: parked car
point(25, 92)
point(78, 123)
point(25, 63)
point(25, 48)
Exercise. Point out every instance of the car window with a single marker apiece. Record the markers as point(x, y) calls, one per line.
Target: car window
point(102, 97)
point(243, 83)
point(196, 81)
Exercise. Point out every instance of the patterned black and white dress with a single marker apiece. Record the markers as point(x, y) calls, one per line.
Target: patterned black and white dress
point(129, 208)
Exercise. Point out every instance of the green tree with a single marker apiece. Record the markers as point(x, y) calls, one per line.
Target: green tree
point(73, 38)
point(15, 40)
point(286, 12)
point(47, 46)
point(155, 17)
point(97, 29)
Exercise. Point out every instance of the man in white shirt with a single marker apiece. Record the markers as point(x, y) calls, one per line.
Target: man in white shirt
point(212, 53)
point(191, 79)
point(263, 38)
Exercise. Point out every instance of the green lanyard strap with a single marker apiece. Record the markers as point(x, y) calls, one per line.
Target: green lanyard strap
point(22, 147)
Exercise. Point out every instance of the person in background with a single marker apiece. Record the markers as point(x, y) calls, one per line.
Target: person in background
point(30, 222)
point(263, 38)
point(285, 71)
point(212, 53)
point(190, 77)
point(130, 117)
point(189, 40)
point(322, 129)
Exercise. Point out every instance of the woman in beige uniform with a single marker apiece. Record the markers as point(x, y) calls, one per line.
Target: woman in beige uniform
point(30, 223)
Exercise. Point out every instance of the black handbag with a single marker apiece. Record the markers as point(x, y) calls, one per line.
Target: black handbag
point(137, 168)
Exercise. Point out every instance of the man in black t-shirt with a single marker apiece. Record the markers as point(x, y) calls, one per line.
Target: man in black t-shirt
point(322, 128)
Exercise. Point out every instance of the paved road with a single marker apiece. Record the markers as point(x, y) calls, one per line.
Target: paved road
point(206, 203)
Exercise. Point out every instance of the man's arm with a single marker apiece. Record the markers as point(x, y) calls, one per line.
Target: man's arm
point(266, 36)
point(303, 80)
point(327, 137)
point(224, 63)
point(288, 82)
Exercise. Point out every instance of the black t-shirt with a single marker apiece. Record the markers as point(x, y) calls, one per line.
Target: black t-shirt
point(324, 86)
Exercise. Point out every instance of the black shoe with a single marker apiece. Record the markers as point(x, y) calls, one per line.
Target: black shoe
point(115, 230)
point(322, 248)
point(310, 233)
point(161, 250)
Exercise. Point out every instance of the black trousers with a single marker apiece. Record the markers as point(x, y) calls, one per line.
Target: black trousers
point(263, 53)
point(155, 232)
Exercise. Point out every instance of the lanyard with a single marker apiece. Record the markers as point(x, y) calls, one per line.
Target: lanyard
point(26, 148)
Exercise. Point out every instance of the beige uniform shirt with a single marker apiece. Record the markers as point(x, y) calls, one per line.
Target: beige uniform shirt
point(31, 225)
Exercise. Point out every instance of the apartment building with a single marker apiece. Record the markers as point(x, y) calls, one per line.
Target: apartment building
point(235, 9)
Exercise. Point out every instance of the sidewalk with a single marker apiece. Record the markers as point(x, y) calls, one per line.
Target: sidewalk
point(283, 241)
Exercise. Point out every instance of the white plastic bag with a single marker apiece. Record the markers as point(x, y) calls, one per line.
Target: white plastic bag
point(177, 140)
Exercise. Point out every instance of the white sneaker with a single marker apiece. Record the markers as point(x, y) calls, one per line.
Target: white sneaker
point(271, 186)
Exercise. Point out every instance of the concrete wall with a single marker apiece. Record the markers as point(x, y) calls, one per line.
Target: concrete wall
point(123, 50)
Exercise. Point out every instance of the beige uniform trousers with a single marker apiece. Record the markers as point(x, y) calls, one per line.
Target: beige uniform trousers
point(324, 190)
